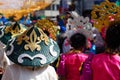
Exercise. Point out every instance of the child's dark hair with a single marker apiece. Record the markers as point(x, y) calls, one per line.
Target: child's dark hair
point(78, 41)
point(113, 36)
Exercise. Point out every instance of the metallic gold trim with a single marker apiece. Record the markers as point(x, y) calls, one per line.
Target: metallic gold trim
point(33, 40)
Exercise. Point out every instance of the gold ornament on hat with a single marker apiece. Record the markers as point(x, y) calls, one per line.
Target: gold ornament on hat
point(32, 40)
point(15, 29)
point(100, 14)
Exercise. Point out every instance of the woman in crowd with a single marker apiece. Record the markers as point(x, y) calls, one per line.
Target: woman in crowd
point(106, 65)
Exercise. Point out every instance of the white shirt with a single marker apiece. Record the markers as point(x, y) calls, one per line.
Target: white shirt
point(4, 61)
point(16, 72)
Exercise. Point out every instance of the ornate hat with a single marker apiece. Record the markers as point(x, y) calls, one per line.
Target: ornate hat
point(10, 31)
point(82, 25)
point(32, 48)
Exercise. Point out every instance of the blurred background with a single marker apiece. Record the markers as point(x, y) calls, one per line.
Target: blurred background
point(60, 6)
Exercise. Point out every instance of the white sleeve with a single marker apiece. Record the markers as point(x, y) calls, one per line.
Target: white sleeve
point(7, 74)
point(1, 57)
point(4, 61)
point(52, 73)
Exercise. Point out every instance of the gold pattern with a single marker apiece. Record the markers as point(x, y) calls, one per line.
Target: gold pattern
point(101, 13)
point(33, 40)
point(16, 31)
point(75, 51)
point(43, 37)
point(22, 37)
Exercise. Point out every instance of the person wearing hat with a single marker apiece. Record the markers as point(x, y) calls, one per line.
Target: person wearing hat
point(31, 52)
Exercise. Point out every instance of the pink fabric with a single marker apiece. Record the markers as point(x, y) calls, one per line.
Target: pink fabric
point(61, 67)
point(86, 72)
point(69, 66)
point(106, 67)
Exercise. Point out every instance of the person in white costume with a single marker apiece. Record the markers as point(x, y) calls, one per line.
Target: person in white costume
point(31, 52)
point(16, 72)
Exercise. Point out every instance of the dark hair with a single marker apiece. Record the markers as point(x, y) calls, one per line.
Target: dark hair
point(78, 41)
point(113, 36)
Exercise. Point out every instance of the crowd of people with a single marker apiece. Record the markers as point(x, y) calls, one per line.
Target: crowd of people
point(68, 48)
point(80, 45)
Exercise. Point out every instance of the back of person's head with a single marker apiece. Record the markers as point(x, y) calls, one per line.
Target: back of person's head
point(113, 37)
point(78, 41)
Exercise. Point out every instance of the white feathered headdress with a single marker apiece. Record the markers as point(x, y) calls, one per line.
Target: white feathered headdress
point(80, 24)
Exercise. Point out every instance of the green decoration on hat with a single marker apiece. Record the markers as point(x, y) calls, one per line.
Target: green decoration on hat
point(9, 31)
point(32, 48)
